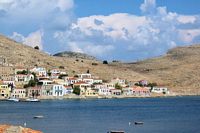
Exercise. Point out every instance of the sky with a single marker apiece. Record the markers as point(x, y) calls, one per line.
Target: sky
point(125, 30)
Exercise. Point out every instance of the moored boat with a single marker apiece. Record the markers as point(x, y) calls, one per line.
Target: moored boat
point(38, 117)
point(139, 123)
point(115, 131)
point(32, 100)
point(13, 99)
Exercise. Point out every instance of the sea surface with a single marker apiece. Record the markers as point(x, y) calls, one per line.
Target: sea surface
point(160, 115)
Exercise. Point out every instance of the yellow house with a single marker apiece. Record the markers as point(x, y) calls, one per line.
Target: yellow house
point(91, 93)
point(4, 91)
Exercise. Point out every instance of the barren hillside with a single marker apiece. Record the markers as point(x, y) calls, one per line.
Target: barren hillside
point(19, 54)
point(179, 69)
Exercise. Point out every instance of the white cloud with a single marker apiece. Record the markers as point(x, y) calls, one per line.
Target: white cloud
point(187, 36)
point(125, 34)
point(33, 39)
point(65, 4)
point(114, 25)
point(27, 16)
point(74, 47)
point(89, 48)
point(186, 19)
point(148, 6)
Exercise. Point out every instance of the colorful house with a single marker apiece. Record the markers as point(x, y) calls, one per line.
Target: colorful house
point(116, 92)
point(5, 91)
point(141, 91)
point(83, 87)
point(18, 93)
point(34, 91)
point(68, 90)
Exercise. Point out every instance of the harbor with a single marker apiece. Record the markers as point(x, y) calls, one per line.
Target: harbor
point(154, 115)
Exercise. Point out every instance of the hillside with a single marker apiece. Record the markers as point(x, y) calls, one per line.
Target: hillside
point(179, 69)
point(69, 54)
point(21, 55)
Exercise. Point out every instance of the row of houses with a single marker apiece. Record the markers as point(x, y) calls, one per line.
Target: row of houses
point(52, 84)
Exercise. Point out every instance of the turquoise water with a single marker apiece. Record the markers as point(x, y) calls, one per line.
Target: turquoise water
point(160, 115)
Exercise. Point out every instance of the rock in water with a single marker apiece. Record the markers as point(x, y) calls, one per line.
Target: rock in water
point(16, 129)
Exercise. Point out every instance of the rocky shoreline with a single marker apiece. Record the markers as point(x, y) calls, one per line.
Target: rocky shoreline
point(16, 129)
point(108, 97)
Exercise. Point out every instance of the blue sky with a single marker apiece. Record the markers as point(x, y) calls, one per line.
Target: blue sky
point(107, 29)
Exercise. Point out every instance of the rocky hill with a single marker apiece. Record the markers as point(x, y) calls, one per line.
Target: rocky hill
point(179, 69)
point(69, 54)
point(21, 55)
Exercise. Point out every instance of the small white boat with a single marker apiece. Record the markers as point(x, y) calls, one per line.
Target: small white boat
point(116, 131)
point(139, 123)
point(32, 100)
point(38, 117)
point(13, 99)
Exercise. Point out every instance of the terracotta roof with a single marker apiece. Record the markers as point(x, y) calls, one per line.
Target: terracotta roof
point(72, 78)
point(138, 88)
point(67, 86)
point(80, 82)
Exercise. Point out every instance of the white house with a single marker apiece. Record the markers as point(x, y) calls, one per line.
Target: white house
point(53, 90)
point(23, 78)
point(103, 90)
point(120, 81)
point(71, 80)
point(97, 81)
point(88, 80)
point(116, 92)
point(9, 82)
point(68, 90)
point(40, 71)
point(45, 82)
point(127, 91)
point(55, 71)
point(158, 89)
point(110, 85)
point(85, 75)
point(58, 90)
point(18, 93)
point(60, 81)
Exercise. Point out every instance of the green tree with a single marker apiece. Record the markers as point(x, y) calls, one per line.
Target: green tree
point(62, 75)
point(22, 72)
point(77, 90)
point(37, 47)
point(31, 83)
point(105, 62)
point(61, 67)
point(118, 86)
point(49, 72)
point(88, 71)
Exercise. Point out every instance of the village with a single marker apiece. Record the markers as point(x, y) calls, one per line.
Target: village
point(38, 82)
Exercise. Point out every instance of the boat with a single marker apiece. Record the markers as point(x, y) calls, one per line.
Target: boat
point(32, 100)
point(139, 123)
point(113, 131)
point(13, 99)
point(38, 117)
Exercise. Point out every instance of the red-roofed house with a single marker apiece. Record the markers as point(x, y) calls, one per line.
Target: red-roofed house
point(140, 91)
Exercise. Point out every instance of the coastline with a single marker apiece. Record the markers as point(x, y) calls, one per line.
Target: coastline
point(107, 97)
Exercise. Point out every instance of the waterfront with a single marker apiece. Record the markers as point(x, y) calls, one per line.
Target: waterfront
point(166, 115)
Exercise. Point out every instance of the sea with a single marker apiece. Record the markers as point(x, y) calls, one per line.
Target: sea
point(159, 115)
